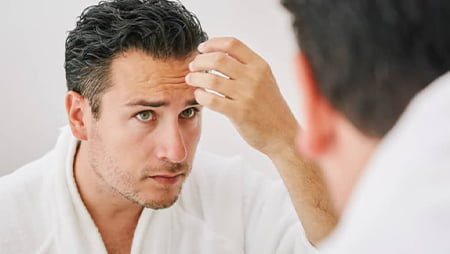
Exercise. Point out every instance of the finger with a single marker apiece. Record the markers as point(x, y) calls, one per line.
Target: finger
point(211, 81)
point(214, 102)
point(218, 61)
point(231, 46)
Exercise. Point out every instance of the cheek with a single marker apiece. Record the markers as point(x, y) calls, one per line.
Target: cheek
point(124, 145)
point(192, 135)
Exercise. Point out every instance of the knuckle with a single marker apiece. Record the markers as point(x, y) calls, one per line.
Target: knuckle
point(213, 81)
point(211, 100)
point(219, 59)
point(265, 67)
point(262, 72)
point(231, 43)
point(261, 80)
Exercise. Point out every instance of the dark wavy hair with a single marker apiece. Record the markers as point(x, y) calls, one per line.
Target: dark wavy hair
point(370, 57)
point(161, 28)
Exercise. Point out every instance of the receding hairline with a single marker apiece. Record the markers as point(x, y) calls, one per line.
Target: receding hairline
point(107, 82)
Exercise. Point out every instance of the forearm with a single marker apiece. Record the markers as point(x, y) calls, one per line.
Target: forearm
point(253, 102)
point(308, 193)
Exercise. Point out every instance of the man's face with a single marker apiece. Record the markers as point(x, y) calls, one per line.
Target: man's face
point(143, 143)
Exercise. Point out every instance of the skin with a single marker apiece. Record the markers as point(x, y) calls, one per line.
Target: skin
point(140, 149)
point(330, 139)
point(254, 104)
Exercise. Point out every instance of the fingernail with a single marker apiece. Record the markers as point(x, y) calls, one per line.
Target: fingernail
point(187, 78)
point(191, 66)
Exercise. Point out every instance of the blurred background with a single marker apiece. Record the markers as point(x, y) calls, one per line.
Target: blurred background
point(33, 84)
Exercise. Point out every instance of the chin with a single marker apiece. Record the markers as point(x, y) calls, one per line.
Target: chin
point(157, 199)
point(159, 204)
point(154, 196)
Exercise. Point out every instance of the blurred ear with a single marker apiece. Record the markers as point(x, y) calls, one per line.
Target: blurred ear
point(319, 117)
point(76, 106)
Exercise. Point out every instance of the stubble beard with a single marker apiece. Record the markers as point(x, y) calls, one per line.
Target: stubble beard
point(150, 204)
point(126, 190)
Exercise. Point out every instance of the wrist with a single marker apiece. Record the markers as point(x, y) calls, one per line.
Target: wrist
point(282, 150)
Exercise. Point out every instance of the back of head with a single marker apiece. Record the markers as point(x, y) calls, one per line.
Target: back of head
point(371, 57)
point(161, 28)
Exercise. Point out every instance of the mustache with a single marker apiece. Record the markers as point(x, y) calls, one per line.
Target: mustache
point(167, 167)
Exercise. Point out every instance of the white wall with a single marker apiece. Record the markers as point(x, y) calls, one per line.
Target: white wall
point(32, 76)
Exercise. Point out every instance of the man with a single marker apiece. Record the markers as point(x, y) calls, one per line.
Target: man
point(112, 184)
point(361, 64)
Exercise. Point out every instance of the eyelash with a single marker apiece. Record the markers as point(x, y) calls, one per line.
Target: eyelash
point(196, 110)
point(145, 111)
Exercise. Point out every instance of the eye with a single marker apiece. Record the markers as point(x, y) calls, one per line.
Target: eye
point(189, 113)
point(145, 116)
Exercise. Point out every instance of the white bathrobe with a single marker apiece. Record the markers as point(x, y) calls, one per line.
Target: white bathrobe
point(223, 208)
point(402, 202)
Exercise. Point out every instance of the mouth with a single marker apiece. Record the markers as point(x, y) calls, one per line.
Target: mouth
point(168, 180)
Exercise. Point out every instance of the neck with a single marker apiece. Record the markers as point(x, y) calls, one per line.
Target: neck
point(102, 202)
point(346, 161)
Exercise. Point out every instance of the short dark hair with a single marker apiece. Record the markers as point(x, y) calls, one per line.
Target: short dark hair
point(164, 29)
point(371, 57)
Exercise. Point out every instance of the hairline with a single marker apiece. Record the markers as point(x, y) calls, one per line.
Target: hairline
point(106, 80)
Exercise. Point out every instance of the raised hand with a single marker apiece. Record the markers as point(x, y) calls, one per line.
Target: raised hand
point(251, 97)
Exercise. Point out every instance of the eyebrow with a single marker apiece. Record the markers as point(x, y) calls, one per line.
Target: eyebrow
point(157, 104)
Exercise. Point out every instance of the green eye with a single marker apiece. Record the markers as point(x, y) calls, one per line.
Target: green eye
point(145, 116)
point(189, 113)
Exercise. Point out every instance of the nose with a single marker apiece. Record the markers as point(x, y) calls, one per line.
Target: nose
point(172, 147)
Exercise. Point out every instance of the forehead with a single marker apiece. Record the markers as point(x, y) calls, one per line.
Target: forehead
point(135, 71)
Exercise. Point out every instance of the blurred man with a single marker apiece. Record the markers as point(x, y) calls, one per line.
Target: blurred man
point(113, 182)
point(361, 64)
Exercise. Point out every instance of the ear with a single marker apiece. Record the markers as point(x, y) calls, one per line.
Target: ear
point(76, 107)
point(319, 117)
